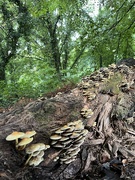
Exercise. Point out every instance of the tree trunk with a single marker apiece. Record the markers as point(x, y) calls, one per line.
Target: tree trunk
point(2, 73)
point(105, 103)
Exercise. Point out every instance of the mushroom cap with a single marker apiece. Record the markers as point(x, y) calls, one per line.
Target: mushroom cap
point(36, 161)
point(65, 158)
point(79, 126)
point(80, 142)
point(64, 138)
point(59, 131)
point(65, 127)
point(38, 154)
point(53, 142)
point(66, 142)
point(41, 154)
point(55, 137)
point(69, 161)
point(58, 145)
point(42, 146)
point(47, 146)
point(71, 124)
point(71, 129)
point(80, 137)
point(25, 141)
point(84, 132)
point(29, 134)
point(75, 152)
point(78, 122)
point(72, 149)
point(32, 148)
point(75, 135)
point(15, 135)
point(66, 133)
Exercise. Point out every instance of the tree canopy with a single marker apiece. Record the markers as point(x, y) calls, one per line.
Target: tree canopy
point(47, 44)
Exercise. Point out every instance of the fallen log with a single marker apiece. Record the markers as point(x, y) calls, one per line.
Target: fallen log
point(105, 104)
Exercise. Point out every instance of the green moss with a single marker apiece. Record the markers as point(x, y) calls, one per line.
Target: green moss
point(112, 84)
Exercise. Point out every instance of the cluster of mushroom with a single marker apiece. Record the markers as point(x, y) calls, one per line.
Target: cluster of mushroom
point(36, 153)
point(21, 139)
point(90, 84)
point(69, 138)
point(86, 112)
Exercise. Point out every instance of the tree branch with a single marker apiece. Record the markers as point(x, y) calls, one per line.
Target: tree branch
point(117, 22)
point(77, 58)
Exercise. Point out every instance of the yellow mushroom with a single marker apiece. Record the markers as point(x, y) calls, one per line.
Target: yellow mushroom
point(22, 144)
point(29, 134)
point(14, 136)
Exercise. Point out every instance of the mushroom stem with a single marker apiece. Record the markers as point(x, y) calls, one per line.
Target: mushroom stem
point(28, 159)
point(16, 142)
point(20, 148)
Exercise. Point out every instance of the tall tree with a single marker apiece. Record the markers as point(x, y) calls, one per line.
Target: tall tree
point(14, 24)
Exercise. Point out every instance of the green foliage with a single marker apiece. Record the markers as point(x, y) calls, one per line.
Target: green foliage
point(47, 44)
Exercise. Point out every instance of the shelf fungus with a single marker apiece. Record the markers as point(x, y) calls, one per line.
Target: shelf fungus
point(69, 138)
point(36, 153)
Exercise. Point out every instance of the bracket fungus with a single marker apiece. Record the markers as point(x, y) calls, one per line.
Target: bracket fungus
point(69, 138)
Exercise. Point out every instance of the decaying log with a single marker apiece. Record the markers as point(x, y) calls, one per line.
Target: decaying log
point(105, 103)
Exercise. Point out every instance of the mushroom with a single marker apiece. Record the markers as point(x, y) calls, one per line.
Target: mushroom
point(53, 142)
point(41, 154)
point(87, 113)
point(59, 131)
point(84, 132)
point(64, 138)
point(29, 134)
point(65, 127)
point(69, 140)
point(67, 133)
point(55, 137)
point(79, 127)
point(69, 161)
point(31, 150)
point(22, 144)
point(74, 152)
point(74, 135)
point(36, 161)
point(58, 145)
point(66, 142)
point(15, 136)
point(71, 129)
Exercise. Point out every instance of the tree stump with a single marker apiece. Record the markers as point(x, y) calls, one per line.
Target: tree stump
point(105, 103)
